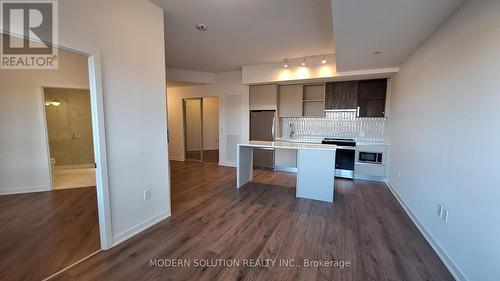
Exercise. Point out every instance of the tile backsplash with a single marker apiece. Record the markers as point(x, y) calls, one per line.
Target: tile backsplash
point(343, 124)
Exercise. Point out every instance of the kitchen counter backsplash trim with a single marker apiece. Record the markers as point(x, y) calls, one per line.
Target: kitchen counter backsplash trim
point(342, 124)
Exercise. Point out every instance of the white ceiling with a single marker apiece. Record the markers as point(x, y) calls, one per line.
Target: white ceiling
point(244, 32)
point(393, 27)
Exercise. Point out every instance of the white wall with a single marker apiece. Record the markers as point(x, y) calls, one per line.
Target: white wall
point(210, 123)
point(233, 114)
point(133, 78)
point(190, 76)
point(445, 135)
point(24, 164)
point(129, 36)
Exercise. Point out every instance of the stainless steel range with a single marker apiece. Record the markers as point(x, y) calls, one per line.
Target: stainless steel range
point(345, 156)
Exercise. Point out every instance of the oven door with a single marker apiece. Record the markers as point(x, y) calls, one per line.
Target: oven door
point(344, 163)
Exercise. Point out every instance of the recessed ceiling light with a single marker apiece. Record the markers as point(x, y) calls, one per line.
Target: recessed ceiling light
point(201, 27)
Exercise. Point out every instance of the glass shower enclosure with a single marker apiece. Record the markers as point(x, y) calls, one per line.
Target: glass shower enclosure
point(69, 127)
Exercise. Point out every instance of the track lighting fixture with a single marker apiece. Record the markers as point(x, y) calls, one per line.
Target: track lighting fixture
point(313, 60)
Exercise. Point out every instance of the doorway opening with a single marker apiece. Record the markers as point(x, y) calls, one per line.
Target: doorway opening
point(201, 129)
point(69, 130)
point(45, 230)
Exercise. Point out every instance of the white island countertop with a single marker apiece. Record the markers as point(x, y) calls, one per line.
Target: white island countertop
point(315, 167)
point(319, 139)
point(289, 145)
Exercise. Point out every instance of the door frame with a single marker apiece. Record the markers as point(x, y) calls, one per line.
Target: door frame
point(98, 138)
point(184, 127)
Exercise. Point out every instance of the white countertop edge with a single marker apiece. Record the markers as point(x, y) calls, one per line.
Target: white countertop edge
point(289, 145)
point(372, 143)
point(319, 139)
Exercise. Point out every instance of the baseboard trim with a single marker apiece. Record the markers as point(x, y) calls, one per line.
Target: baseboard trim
point(72, 265)
point(369, 178)
point(227, 164)
point(448, 262)
point(20, 190)
point(286, 169)
point(131, 232)
point(177, 158)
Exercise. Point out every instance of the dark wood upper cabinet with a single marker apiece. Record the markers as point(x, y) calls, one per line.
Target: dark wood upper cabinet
point(368, 95)
point(371, 98)
point(341, 95)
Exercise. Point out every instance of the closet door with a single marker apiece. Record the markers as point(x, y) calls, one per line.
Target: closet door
point(193, 129)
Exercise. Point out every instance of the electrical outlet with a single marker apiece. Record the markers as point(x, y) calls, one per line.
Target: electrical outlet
point(440, 210)
point(445, 215)
point(147, 194)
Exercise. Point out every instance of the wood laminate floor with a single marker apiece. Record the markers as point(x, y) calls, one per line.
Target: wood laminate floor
point(211, 156)
point(263, 220)
point(44, 232)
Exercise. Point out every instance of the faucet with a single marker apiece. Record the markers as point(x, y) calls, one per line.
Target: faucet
point(291, 130)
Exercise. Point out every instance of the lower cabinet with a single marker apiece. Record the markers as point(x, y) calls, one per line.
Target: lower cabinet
point(374, 172)
point(370, 162)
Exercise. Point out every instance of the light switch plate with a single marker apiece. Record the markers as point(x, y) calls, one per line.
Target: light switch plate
point(440, 210)
point(147, 194)
point(445, 215)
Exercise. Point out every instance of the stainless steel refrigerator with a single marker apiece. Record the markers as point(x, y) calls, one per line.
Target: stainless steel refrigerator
point(262, 126)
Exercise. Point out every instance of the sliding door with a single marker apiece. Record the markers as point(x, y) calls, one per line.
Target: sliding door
point(193, 129)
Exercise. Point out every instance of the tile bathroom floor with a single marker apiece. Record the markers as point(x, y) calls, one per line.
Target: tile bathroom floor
point(73, 178)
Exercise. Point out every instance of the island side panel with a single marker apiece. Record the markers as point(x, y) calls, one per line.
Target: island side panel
point(244, 169)
point(316, 174)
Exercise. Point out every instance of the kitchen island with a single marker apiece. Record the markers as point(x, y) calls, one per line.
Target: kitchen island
point(315, 167)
